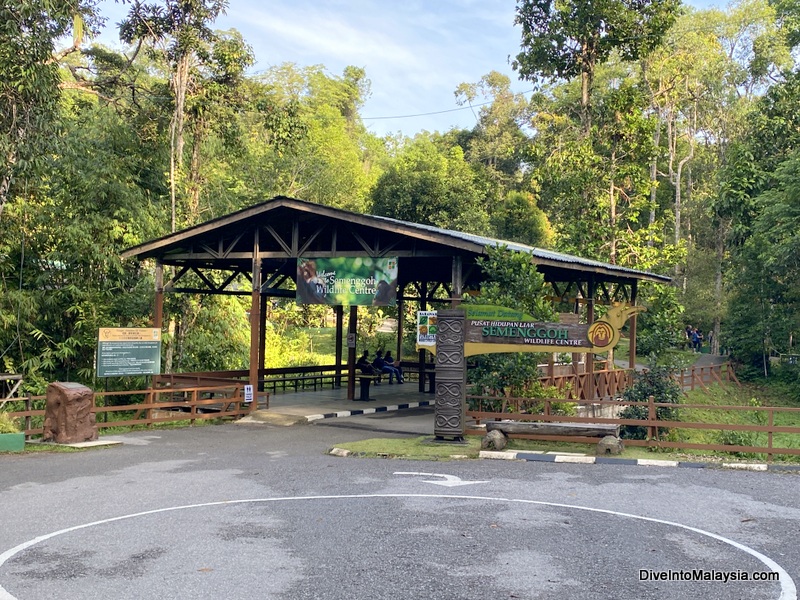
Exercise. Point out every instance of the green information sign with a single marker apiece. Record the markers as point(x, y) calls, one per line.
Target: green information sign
point(123, 352)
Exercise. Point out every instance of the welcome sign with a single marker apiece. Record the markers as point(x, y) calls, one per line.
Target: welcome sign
point(347, 281)
point(493, 329)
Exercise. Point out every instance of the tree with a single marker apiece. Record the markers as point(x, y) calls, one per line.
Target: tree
point(433, 187)
point(181, 29)
point(518, 219)
point(29, 88)
point(571, 38)
point(510, 280)
point(497, 140)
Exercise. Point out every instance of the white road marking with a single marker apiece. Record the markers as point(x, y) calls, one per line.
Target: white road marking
point(788, 588)
point(449, 480)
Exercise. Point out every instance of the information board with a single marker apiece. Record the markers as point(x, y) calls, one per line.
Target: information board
point(126, 351)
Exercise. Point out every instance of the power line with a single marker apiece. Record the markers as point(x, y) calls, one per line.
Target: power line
point(438, 112)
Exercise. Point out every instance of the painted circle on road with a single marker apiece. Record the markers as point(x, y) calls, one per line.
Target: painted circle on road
point(787, 585)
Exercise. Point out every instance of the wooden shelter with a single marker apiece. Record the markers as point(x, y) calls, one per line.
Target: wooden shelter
point(262, 243)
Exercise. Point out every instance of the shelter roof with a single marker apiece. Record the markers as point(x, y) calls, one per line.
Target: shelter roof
point(300, 228)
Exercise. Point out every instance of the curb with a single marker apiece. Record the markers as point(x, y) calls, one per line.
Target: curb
point(367, 411)
point(642, 462)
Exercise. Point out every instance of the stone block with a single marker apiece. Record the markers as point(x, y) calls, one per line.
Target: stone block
point(494, 440)
point(610, 445)
point(68, 417)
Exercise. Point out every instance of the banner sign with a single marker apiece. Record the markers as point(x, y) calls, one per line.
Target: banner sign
point(126, 351)
point(426, 329)
point(347, 281)
point(491, 329)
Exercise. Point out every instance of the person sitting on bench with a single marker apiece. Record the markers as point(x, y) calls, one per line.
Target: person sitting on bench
point(366, 368)
point(380, 365)
point(390, 362)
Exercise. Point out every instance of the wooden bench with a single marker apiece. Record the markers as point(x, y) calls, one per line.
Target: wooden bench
point(596, 430)
point(300, 382)
point(411, 372)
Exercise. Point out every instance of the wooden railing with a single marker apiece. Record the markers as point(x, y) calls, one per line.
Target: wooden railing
point(700, 377)
point(587, 386)
point(155, 406)
point(484, 408)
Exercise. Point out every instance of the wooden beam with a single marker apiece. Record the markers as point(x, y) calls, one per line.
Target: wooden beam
point(584, 429)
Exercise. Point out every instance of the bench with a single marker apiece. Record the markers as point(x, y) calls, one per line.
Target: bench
point(595, 430)
point(299, 382)
point(411, 372)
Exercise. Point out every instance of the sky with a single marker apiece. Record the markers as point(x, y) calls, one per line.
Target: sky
point(415, 52)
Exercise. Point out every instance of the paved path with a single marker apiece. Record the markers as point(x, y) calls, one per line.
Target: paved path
point(242, 512)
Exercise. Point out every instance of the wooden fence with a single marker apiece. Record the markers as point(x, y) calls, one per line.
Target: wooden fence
point(146, 407)
point(780, 425)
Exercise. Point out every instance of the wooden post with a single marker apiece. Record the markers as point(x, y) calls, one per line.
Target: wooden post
point(158, 313)
point(352, 328)
point(651, 415)
point(456, 282)
point(423, 305)
point(451, 377)
point(262, 345)
point(339, 311)
point(590, 386)
point(255, 310)
point(771, 424)
point(158, 320)
point(401, 307)
point(632, 331)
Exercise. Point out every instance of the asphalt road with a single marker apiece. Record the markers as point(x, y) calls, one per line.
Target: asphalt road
point(235, 512)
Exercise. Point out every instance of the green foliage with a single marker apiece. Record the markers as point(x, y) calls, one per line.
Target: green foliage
point(658, 382)
point(660, 328)
point(518, 219)
point(428, 185)
point(8, 425)
point(511, 280)
point(29, 89)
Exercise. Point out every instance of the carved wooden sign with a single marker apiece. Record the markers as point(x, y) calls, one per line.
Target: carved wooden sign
point(486, 329)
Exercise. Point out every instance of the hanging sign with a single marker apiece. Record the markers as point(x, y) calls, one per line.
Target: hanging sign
point(347, 281)
point(426, 329)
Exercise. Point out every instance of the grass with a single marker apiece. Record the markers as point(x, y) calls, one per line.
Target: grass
point(422, 448)
point(323, 340)
point(747, 395)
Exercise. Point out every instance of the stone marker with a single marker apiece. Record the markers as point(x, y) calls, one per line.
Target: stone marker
point(610, 445)
point(494, 440)
point(68, 415)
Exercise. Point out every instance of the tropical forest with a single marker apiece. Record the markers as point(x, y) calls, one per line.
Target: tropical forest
point(658, 137)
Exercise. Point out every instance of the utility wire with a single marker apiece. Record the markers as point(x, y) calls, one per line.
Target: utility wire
point(438, 112)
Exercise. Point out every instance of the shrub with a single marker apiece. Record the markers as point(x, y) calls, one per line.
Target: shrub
point(8, 425)
point(658, 382)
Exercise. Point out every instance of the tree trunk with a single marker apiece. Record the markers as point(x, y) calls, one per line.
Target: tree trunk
point(180, 83)
point(720, 255)
point(654, 175)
